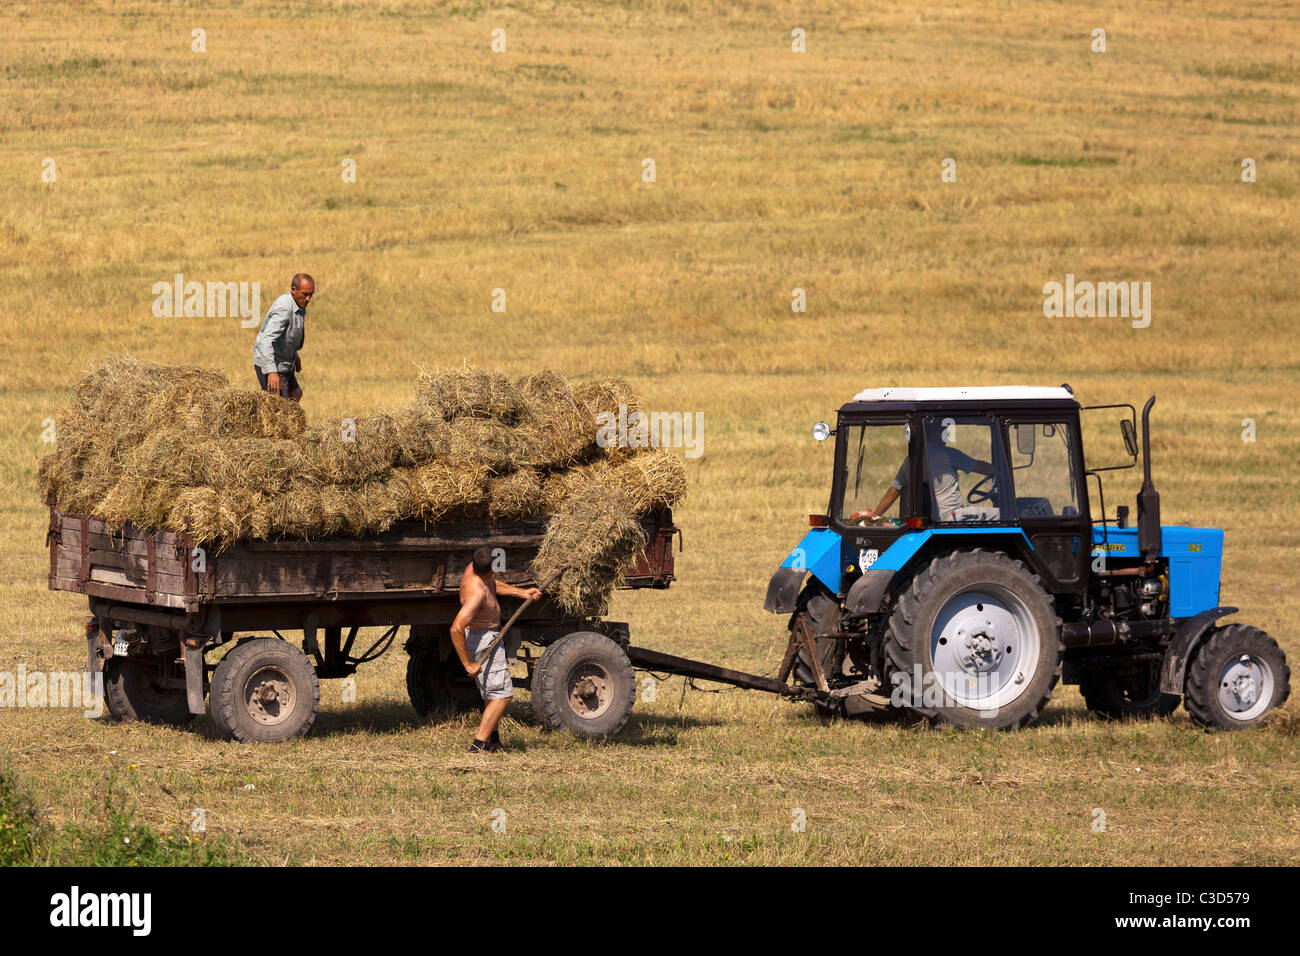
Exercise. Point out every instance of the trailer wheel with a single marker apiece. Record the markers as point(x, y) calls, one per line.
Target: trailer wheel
point(134, 691)
point(1236, 676)
point(437, 686)
point(584, 683)
point(981, 633)
point(1132, 694)
point(265, 691)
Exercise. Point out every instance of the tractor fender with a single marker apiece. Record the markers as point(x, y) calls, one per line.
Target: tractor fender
point(783, 590)
point(1190, 631)
point(867, 592)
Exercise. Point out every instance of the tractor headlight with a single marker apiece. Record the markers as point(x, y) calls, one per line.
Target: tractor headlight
point(821, 431)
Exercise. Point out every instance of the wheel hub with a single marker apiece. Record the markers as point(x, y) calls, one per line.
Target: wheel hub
point(982, 652)
point(1245, 687)
point(590, 690)
point(269, 697)
point(983, 646)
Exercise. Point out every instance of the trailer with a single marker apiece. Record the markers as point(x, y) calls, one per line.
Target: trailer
point(163, 607)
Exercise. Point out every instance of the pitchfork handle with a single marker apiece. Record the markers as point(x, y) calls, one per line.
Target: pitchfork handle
point(491, 648)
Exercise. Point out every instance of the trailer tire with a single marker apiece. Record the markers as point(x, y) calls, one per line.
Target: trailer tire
point(992, 625)
point(1116, 696)
point(133, 695)
point(584, 683)
point(265, 691)
point(1228, 658)
point(436, 686)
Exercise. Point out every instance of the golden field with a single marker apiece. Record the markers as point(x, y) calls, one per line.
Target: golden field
point(775, 170)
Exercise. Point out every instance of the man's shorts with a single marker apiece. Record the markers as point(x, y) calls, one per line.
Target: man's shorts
point(288, 382)
point(493, 679)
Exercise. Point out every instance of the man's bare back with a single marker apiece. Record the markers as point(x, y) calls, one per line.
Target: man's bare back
point(475, 593)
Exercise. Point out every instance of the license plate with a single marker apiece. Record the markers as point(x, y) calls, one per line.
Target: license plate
point(121, 649)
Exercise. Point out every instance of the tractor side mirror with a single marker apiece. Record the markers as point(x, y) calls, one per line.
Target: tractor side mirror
point(1025, 440)
point(1130, 437)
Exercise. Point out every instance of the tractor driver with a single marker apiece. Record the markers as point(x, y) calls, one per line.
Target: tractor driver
point(945, 462)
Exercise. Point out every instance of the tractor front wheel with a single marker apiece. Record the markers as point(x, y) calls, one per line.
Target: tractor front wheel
point(1236, 676)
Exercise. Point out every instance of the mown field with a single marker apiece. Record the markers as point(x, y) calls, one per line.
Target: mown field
point(775, 170)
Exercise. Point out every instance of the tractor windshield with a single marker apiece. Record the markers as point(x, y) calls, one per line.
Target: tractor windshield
point(874, 456)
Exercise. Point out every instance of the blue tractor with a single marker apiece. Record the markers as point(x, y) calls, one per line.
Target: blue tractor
point(959, 574)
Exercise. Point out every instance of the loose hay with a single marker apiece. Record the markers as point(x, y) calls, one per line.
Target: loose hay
point(181, 448)
point(595, 538)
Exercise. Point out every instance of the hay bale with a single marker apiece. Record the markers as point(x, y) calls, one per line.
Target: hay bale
point(245, 413)
point(596, 539)
point(352, 451)
point(469, 392)
point(422, 435)
point(648, 481)
point(516, 495)
point(441, 489)
point(605, 396)
point(216, 517)
point(556, 431)
point(480, 441)
point(121, 388)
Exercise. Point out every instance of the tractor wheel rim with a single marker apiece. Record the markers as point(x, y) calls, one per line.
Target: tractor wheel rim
point(1245, 687)
point(268, 696)
point(590, 690)
point(984, 647)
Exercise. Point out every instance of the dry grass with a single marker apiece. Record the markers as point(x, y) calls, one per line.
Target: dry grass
point(775, 171)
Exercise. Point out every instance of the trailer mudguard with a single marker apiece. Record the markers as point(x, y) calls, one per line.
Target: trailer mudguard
point(1174, 670)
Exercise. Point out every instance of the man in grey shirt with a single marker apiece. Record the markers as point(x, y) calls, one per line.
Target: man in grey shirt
point(275, 353)
point(944, 463)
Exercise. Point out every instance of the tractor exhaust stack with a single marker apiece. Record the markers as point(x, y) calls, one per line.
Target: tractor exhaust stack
point(1148, 499)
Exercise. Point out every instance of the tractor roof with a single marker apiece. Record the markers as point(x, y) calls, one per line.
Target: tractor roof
point(1019, 398)
point(982, 393)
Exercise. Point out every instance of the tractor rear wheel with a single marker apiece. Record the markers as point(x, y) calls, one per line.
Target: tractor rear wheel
point(1128, 693)
point(1236, 676)
point(974, 641)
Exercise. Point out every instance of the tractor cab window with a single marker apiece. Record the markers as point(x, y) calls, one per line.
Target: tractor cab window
point(961, 469)
point(1042, 469)
point(873, 457)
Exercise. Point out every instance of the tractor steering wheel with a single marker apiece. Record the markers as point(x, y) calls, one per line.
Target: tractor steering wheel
point(980, 493)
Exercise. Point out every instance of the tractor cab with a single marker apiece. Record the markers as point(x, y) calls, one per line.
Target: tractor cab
point(917, 468)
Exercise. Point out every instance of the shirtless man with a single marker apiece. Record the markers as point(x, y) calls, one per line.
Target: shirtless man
point(478, 622)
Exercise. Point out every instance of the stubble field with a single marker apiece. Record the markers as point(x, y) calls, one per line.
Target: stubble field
point(775, 170)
